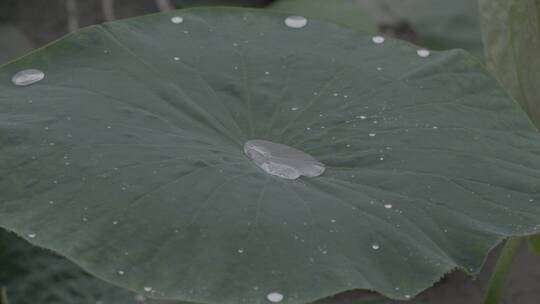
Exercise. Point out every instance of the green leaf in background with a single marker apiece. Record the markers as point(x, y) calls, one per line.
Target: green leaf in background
point(512, 42)
point(128, 158)
point(31, 275)
point(346, 12)
point(534, 243)
point(13, 43)
point(442, 24)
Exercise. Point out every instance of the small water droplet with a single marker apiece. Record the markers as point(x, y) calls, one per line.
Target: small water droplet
point(294, 108)
point(31, 235)
point(361, 117)
point(295, 21)
point(241, 250)
point(379, 68)
point(121, 272)
point(423, 52)
point(281, 160)
point(27, 77)
point(375, 246)
point(388, 206)
point(377, 39)
point(177, 19)
point(267, 73)
point(115, 222)
point(407, 296)
point(275, 297)
point(372, 134)
point(176, 58)
point(147, 288)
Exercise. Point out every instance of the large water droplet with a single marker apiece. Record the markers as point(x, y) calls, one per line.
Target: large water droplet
point(295, 21)
point(27, 77)
point(281, 160)
point(275, 297)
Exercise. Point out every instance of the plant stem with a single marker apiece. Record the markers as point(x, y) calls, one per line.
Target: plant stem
point(498, 277)
point(3, 296)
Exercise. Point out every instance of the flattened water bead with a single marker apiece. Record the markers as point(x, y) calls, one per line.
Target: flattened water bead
point(377, 39)
point(423, 53)
point(27, 77)
point(275, 297)
point(295, 21)
point(282, 160)
point(177, 19)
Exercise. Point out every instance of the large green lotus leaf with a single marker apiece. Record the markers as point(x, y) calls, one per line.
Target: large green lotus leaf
point(443, 24)
point(128, 157)
point(32, 275)
point(346, 12)
point(512, 38)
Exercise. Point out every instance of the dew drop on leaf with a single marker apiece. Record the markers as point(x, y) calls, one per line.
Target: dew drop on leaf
point(423, 53)
point(281, 160)
point(31, 235)
point(295, 21)
point(27, 77)
point(177, 19)
point(275, 297)
point(375, 246)
point(388, 206)
point(377, 39)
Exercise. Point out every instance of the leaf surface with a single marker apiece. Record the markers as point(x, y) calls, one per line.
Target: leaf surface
point(128, 157)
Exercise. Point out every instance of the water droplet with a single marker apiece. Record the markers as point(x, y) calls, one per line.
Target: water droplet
point(295, 21)
point(423, 52)
point(31, 235)
point(379, 68)
point(51, 202)
point(281, 160)
point(377, 39)
point(241, 250)
point(294, 108)
point(361, 117)
point(266, 73)
point(27, 77)
point(121, 272)
point(372, 134)
point(375, 246)
point(147, 288)
point(115, 222)
point(177, 19)
point(176, 58)
point(275, 297)
point(388, 206)
point(333, 220)
point(407, 296)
